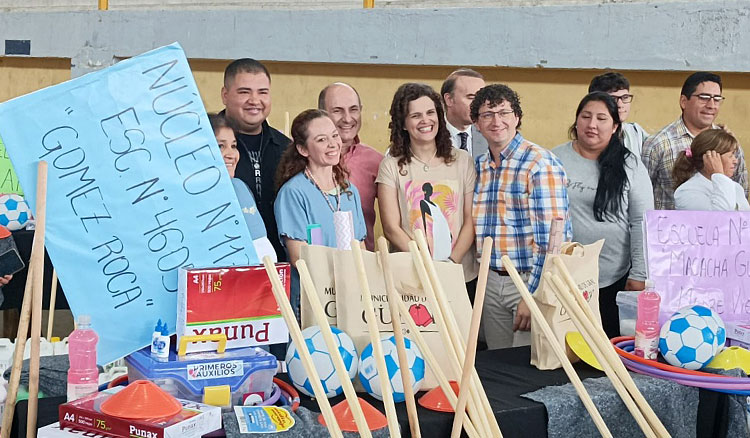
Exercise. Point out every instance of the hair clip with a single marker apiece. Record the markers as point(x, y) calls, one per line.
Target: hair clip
point(689, 153)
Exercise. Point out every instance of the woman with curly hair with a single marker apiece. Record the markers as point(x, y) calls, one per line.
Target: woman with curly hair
point(313, 184)
point(703, 173)
point(425, 182)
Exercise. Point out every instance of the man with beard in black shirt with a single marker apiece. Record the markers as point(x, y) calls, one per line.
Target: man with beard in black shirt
point(246, 95)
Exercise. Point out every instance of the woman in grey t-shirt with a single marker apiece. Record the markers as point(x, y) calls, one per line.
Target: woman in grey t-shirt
point(609, 190)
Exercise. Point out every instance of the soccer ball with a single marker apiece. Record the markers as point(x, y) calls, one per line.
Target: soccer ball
point(368, 371)
point(692, 337)
point(322, 361)
point(14, 212)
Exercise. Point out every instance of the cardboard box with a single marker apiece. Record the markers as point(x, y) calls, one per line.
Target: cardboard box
point(195, 419)
point(54, 430)
point(237, 301)
point(739, 331)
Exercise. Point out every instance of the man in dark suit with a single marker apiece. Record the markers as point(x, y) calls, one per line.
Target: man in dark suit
point(458, 92)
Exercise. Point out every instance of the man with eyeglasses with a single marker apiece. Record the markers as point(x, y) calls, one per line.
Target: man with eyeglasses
point(617, 85)
point(700, 100)
point(520, 189)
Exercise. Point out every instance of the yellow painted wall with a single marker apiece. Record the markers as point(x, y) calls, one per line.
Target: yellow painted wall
point(548, 97)
point(19, 76)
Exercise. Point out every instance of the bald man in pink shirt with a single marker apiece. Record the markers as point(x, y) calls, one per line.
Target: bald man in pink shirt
point(341, 102)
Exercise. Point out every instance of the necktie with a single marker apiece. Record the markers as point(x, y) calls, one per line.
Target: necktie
point(464, 140)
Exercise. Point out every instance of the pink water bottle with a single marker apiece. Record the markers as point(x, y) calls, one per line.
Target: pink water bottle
point(647, 324)
point(83, 375)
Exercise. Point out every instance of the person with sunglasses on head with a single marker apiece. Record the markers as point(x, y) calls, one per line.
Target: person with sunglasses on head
point(700, 101)
point(617, 85)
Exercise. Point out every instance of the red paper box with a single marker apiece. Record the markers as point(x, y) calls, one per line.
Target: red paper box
point(195, 419)
point(236, 301)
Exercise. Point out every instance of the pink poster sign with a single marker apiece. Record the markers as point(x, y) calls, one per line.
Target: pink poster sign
point(700, 257)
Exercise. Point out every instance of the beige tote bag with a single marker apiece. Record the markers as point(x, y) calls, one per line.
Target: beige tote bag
point(582, 262)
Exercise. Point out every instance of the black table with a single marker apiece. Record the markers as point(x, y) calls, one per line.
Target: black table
point(505, 374)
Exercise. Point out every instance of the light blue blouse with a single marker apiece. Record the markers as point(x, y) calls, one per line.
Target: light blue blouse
point(300, 203)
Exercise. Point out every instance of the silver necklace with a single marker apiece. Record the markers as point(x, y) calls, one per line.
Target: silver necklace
point(425, 166)
point(310, 176)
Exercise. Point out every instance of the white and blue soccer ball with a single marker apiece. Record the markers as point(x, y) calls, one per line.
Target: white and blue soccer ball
point(692, 337)
point(14, 211)
point(368, 370)
point(322, 361)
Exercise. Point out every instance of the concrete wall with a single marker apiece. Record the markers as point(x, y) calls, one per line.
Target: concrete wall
point(548, 97)
point(547, 53)
point(84, 5)
point(644, 36)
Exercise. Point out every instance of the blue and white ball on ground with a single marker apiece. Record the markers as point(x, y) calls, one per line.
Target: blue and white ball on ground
point(322, 361)
point(14, 211)
point(368, 371)
point(692, 337)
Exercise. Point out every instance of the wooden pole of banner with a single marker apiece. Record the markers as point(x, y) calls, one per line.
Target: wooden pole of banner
point(403, 362)
point(458, 341)
point(368, 4)
point(609, 351)
point(377, 348)
point(20, 347)
point(37, 260)
point(453, 350)
point(557, 349)
point(52, 302)
point(586, 329)
point(333, 350)
point(296, 333)
point(433, 363)
point(471, 346)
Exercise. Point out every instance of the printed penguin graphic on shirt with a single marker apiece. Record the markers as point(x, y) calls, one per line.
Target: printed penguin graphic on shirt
point(433, 206)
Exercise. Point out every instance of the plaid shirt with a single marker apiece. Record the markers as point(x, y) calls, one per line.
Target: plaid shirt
point(660, 153)
point(515, 202)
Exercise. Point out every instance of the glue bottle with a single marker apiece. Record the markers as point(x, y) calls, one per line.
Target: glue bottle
point(83, 375)
point(647, 323)
point(162, 344)
point(155, 337)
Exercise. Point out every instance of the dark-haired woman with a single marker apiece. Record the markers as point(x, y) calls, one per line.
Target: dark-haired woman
point(703, 173)
point(313, 185)
point(424, 182)
point(227, 141)
point(609, 190)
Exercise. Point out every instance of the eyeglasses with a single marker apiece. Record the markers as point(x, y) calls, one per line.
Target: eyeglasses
point(490, 115)
point(625, 98)
point(704, 98)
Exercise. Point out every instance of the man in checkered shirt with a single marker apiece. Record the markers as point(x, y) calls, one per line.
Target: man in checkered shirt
point(520, 189)
point(700, 101)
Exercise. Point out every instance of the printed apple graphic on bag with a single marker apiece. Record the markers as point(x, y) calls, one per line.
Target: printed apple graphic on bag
point(420, 315)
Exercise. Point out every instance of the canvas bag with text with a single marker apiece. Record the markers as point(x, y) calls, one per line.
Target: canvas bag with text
point(582, 262)
point(421, 310)
point(319, 260)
